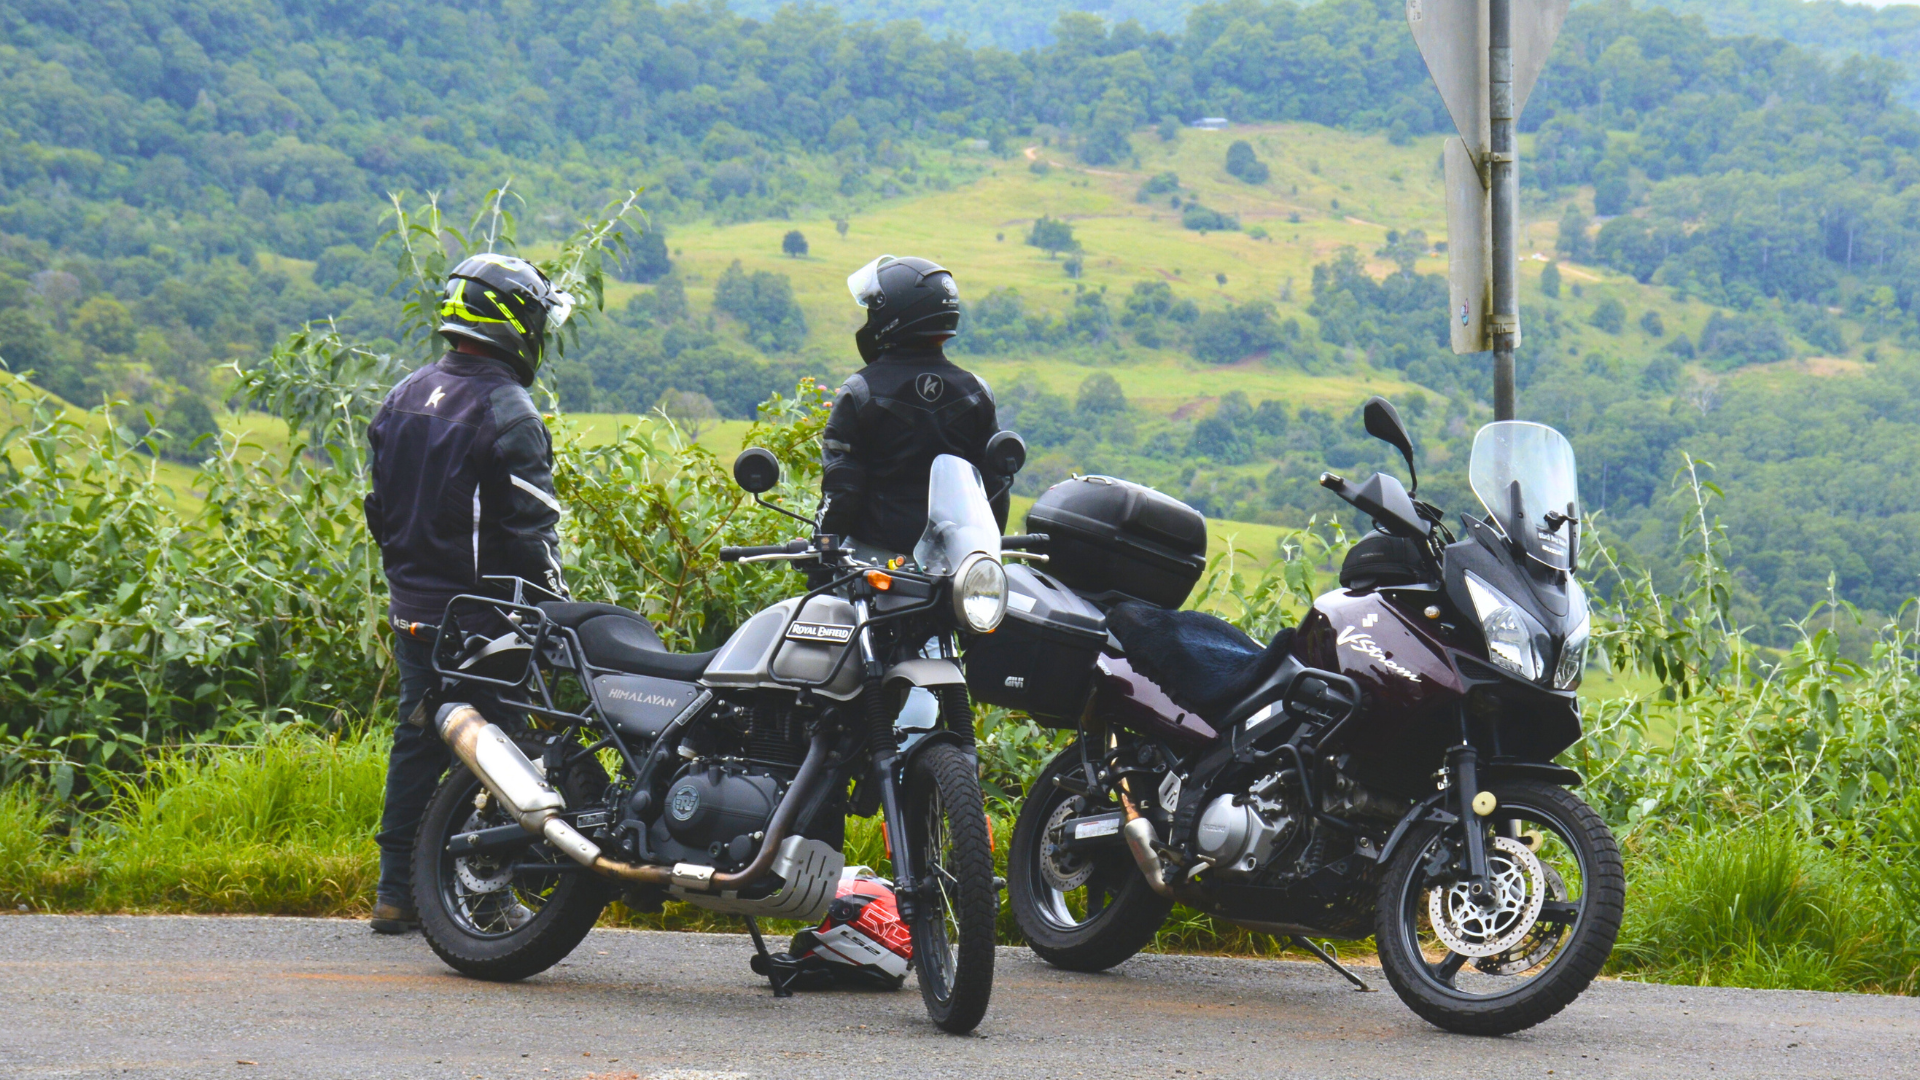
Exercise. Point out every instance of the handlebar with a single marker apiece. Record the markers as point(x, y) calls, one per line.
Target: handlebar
point(791, 547)
point(1023, 541)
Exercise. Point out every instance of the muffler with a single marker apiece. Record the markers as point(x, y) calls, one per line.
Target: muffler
point(512, 779)
point(1145, 845)
point(533, 802)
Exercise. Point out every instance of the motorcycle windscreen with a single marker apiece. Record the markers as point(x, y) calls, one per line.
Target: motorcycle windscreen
point(1522, 472)
point(959, 518)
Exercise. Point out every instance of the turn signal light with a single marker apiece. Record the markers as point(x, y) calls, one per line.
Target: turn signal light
point(880, 579)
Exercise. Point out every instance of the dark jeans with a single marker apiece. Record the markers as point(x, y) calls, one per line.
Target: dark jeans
point(414, 767)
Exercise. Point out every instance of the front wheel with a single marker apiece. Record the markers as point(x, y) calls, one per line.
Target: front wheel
point(1521, 952)
point(953, 923)
point(502, 917)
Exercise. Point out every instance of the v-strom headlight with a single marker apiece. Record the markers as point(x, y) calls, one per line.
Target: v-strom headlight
point(980, 593)
point(1509, 637)
point(1573, 655)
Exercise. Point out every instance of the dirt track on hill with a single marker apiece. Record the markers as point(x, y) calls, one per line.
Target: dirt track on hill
point(247, 997)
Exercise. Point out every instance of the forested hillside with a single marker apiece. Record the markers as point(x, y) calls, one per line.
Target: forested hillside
point(183, 183)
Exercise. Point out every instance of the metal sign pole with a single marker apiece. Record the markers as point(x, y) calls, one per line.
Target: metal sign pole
point(1485, 56)
point(1501, 185)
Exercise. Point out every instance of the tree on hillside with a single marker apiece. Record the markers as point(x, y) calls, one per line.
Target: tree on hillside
point(794, 244)
point(1202, 219)
point(1242, 163)
point(693, 413)
point(1550, 281)
point(645, 259)
point(1052, 236)
point(1573, 244)
point(1100, 395)
point(1610, 316)
point(763, 304)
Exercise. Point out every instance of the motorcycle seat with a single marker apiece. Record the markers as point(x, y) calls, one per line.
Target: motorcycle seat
point(1204, 663)
point(613, 637)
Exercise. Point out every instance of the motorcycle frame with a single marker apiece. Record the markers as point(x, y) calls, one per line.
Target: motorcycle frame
point(533, 627)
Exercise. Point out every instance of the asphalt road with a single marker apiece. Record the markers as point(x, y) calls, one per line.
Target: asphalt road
point(244, 997)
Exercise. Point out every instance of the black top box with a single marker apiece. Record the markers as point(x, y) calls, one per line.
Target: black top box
point(1114, 540)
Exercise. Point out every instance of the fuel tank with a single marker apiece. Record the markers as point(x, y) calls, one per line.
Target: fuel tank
point(756, 656)
point(1411, 691)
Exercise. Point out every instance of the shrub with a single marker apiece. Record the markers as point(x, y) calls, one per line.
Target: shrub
point(1200, 219)
point(1609, 316)
point(1653, 324)
point(1222, 337)
point(1242, 163)
point(1165, 183)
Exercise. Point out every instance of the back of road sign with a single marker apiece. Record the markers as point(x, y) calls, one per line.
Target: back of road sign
point(1452, 36)
point(1469, 254)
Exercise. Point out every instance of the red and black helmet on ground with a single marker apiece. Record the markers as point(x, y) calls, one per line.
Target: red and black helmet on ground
point(505, 305)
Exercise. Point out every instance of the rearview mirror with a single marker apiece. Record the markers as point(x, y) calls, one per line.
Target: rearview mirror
point(1006, 453)
point(756, 470)
point(1383, 423)
point(1383, 499)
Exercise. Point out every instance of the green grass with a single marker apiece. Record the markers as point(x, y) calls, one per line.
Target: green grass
point(1759, 906)
point(287, 828)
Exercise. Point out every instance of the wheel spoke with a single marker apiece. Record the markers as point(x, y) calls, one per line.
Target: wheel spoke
point(1446, 969)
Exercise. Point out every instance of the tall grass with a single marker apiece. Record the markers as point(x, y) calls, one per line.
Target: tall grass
point(1766, 907)
point(285, 827)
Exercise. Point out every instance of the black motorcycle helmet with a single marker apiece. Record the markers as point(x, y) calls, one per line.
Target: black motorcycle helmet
point(909, 302)
point(506, 305)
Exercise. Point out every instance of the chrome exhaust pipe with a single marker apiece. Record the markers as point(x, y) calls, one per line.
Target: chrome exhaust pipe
point(512, 779)
point(533, 802)
point(1145, 845)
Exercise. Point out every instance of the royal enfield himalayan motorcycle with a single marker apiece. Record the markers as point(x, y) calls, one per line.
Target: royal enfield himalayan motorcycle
point(594, 762)
point(1385, 769)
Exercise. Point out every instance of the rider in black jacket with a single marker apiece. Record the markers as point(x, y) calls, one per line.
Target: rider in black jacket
point(462, 489)
point(909, 405)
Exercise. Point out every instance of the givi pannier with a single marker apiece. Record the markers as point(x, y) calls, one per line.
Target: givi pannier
point(1116, 540)
point(1041, 659)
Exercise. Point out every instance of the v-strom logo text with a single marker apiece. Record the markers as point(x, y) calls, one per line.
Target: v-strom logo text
point(1363, 643)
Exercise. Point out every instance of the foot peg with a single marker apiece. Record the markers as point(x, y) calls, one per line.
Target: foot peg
point(1328, 960)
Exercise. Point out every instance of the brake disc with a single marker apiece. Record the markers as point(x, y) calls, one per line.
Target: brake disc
point(481, 875)
point(1539, 942)
point(1519, 886)
point(1064, 870)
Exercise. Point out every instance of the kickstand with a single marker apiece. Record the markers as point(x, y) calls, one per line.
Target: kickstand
point(1327, 960)
point(780, 975)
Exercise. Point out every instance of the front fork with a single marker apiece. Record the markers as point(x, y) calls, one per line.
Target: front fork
point(1463, 765)
point(885, 753)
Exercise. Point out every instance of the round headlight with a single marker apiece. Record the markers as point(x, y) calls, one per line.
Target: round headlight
point(980, 593)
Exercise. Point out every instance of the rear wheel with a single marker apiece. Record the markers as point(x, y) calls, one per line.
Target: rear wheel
point(502, 917)
point(1085, 910)
point(1553, 909)
point(954, 915)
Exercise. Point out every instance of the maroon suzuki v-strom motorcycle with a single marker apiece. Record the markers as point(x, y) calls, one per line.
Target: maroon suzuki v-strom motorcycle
point(1386, 769)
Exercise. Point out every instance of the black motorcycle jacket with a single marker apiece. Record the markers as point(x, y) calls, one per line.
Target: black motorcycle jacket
point(889, 421)
point(462, 486)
